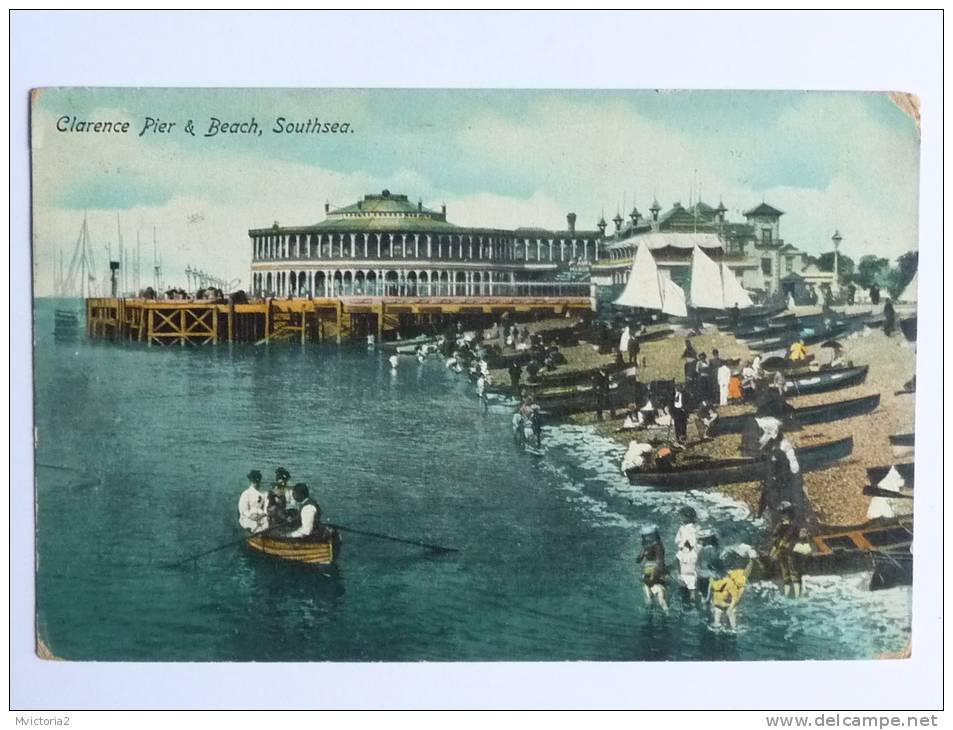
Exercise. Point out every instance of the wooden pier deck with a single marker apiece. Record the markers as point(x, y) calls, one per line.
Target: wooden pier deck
point(188, 322)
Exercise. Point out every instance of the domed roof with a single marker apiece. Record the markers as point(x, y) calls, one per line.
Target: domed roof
point(385, 211)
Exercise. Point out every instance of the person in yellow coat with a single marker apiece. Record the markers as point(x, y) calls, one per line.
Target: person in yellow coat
point(798, 351)
point(725, 594)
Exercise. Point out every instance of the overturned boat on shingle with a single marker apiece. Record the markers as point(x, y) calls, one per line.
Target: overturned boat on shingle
point(706, 473)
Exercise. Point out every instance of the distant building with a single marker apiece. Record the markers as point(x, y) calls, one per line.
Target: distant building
point(385, 245)
point(753, 250)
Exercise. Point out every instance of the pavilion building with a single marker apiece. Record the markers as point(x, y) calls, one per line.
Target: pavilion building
point(385, 245)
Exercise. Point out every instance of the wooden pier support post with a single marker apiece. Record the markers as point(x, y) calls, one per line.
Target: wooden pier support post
point(215, 324)
point(267, 319)
point(231, 319)
point(339, 317)
point(380, 321)
point(304, 325)
point(150, 325)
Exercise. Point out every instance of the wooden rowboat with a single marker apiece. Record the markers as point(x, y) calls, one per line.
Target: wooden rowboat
point(825, 380)
point(310, 552)
point(708, 473)
point(883, 548)
point(823, 413)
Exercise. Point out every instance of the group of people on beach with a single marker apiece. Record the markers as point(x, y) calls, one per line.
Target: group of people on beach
point(283, 510)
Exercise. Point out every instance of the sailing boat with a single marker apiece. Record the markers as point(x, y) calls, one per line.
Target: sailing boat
point(647, 288)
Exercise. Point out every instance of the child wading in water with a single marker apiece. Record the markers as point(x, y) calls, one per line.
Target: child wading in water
point(725, 594)
point(652, 557)
point(686, 552)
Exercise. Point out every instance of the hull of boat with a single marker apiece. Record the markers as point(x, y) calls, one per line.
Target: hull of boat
point(909, 328)
point(824, 413)
point(825, 380)
point(809, 335)
point(731, 471)
point(298, 551)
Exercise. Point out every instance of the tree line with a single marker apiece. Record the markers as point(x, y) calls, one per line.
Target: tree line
point(870, 270)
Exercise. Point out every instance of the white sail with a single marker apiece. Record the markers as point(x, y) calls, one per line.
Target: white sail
point(706, 289)
point(642, 288)
point(734, 292)
point(909, 293)
point(673, 298)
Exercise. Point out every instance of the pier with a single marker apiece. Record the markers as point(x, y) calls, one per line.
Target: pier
point(260, 321)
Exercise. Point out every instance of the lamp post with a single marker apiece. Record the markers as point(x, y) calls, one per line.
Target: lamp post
point(836, 239)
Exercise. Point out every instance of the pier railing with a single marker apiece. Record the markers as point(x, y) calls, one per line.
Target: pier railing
point(312, 319)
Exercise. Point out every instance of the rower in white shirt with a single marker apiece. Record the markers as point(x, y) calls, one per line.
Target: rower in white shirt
point(309, 512)
point(252, 505)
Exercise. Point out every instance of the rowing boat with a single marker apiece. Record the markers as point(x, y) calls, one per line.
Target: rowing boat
point(901, 439)
point(412, 342)
point(296, 550)
point(712, 472)
point(883, 548)
point(824, 380)
point(558, 379)
point(823, 413)
point(808, 335)
point(876, 474)
point(909, 328)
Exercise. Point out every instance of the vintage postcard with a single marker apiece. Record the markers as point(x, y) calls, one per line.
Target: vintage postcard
point(496, 375)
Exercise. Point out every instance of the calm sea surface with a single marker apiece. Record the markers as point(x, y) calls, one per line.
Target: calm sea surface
point(142, 453)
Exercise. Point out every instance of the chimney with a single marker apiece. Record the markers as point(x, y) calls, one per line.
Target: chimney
point(443, 209)
point(571, 221)
point(327, 207)
point(420, 206)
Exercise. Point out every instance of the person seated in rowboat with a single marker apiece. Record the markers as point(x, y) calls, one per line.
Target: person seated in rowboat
point(310, 527)
point(652, 558)
point(281, 488)
point(749, 381)
point(252, 504)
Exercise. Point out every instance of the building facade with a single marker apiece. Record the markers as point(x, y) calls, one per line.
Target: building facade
point(753, 250)
point(385, 245)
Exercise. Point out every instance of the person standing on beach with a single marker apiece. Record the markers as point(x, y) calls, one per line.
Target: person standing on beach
point(680, 414)
point(890, 317)
point(724, 380)
point(481, 391)
point(516, 371)
point(624, 340)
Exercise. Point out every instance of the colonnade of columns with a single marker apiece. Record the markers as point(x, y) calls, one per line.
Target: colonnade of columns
point(381, 282)
point(419, 246)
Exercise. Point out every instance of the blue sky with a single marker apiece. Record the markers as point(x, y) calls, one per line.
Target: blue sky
point(498, 158)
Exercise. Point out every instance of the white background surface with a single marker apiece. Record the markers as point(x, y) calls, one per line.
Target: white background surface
point(753, 50)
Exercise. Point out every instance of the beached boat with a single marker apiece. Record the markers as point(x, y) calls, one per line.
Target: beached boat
point(583, 402)
point(879, 547)
point(909, 328)
point(705, 473)
point(295, 550)
point(823, 413)
point(902, 439)
point(876, 474)
point(557, 379)
point(824, 380)
point(809, 335)
point(749, 314)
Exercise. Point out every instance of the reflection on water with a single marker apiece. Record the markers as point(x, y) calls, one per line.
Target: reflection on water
point(143, 453)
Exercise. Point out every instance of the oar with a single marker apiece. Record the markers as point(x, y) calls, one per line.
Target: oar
point(229, 544)
point(380, 536)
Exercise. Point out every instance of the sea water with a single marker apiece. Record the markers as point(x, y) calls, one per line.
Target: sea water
point(142, 453)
